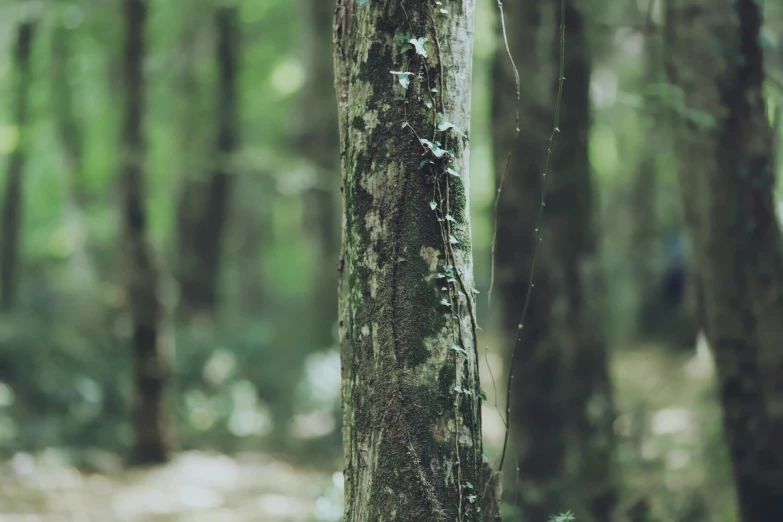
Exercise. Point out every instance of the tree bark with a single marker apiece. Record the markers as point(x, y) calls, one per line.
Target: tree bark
point(562, 406)
point(151, 370)
point(208, 203)
point(13, 200)
point(725, 149)
point(411, 406)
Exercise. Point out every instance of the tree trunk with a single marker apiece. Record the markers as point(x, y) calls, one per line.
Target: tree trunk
point(71, 140)
point(577, 310)
point(725, 149)
point(151, 367)
point(65, 118)
point(411, 396)
point(209, 203)
point(537, 456)
point(562, 407)
point(194, 146)
point(13, 208)
point(318, 142)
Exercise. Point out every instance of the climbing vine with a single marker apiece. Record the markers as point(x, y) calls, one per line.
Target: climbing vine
point(438, 146)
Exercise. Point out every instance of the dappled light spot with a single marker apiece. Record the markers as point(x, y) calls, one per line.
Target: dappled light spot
point(671, 420)
point(312, 425)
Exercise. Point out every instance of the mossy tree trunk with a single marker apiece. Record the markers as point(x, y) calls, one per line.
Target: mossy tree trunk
point(151, 370)
point(412, 421)
point(13, 209)
point(561, 405)
point(317, 140)
point(725, 149)
point(201, 254)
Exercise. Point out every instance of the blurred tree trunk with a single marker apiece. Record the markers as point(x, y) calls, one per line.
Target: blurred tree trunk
point(562, 406)
point(208, 203)
point(673, 318)
point(725, 149)
point(65, 119)
point(412, 421)
point(644, 189)
point(13, 210)
point(194, 155)
point(318, 142)
point(71, 140)
point(151, 370)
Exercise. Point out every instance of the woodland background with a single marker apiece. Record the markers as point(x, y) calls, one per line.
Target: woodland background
point(254, 388)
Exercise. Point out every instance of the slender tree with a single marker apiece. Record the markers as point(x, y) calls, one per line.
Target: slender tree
point(150, 365)
point(71, 140)
point(411, 396)
point(561, 406)
point(205, 235)
point(317, 139)
point(13, 209)
point(191, 134)
point(68, 128)
point(725, 150)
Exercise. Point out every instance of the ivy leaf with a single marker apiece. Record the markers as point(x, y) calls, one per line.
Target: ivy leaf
point(453, 240)
point(404, 124)
point(402, 37)
point(438, 152)
point(445, 125)
point(468, 485)
point(450, 218)
point(458, 348)
point(403, 77)
point(418, 43)
point(433, 205)
point(452, 171)
point(444, 11)
point(401, 259)
point(483, 395)
point(406, 47)
point(422, 163)
point(445, 302)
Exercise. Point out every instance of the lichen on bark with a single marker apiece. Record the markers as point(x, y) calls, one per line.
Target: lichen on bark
point(412, 426)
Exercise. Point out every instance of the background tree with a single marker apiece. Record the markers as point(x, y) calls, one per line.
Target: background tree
point(410, 371)
point(725, 148)
point(151, 370)
point(13, 200)
point(561, 400)
point(202, 253)
point(317, 141)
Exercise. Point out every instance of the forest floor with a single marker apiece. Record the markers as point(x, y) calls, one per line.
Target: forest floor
point(194, 487)
point(663, 454)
